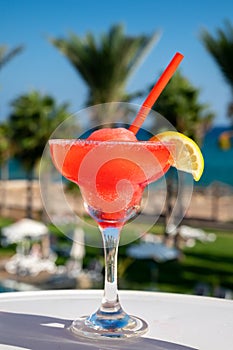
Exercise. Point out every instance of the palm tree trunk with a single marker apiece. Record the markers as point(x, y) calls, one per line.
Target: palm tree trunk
point(29, 202)
point(4, 178)
point(168, 207)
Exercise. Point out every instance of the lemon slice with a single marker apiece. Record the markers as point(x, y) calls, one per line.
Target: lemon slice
point(186, 156)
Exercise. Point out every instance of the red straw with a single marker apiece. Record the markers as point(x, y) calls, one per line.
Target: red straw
point(155, 92)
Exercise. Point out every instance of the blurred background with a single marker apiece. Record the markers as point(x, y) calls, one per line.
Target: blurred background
point(59, 57)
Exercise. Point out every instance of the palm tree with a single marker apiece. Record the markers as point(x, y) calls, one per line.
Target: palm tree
point(34, 117)
point(179, 104)
point(105, 64)
point(5, 56)
point(220, 48)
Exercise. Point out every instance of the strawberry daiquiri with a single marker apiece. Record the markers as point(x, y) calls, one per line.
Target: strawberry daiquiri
point(112, 168)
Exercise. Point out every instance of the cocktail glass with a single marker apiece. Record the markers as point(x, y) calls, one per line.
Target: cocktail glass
point(112, 176)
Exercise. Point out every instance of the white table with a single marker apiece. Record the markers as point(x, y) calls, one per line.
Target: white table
point(39, 321)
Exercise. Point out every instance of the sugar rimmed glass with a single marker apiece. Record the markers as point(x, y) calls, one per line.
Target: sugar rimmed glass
point(112, 195)
point(112, 198)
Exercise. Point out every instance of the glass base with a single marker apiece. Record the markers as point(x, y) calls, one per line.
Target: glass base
point(108, 327)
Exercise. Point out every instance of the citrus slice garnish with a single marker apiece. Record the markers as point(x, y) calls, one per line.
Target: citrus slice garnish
point(186, 156)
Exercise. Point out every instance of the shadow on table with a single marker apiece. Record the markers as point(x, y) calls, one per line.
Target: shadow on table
point(37, 332)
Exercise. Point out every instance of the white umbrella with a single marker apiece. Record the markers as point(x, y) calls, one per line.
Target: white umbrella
point(24, 228)
point(152, 250)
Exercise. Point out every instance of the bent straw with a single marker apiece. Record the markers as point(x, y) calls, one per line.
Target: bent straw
point(155, 92)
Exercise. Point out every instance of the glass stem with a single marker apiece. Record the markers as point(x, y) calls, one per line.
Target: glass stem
point(110, 236)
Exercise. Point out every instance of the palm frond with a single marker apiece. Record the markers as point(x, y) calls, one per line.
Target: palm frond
point(220, 47)
point(105, 63)
point(6, 55)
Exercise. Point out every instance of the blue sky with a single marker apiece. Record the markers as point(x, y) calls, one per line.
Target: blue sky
point(40, 66)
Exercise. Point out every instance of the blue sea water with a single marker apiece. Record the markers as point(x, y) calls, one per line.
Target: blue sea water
point(218, 163)
point(16, 170)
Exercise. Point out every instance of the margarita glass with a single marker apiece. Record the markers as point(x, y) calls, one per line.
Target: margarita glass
point(112, 175)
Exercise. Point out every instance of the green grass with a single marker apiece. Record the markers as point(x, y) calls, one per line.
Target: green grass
point(210, 263)
point(5, 222)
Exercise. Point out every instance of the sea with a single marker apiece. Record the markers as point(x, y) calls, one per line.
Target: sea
point(218, 162)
